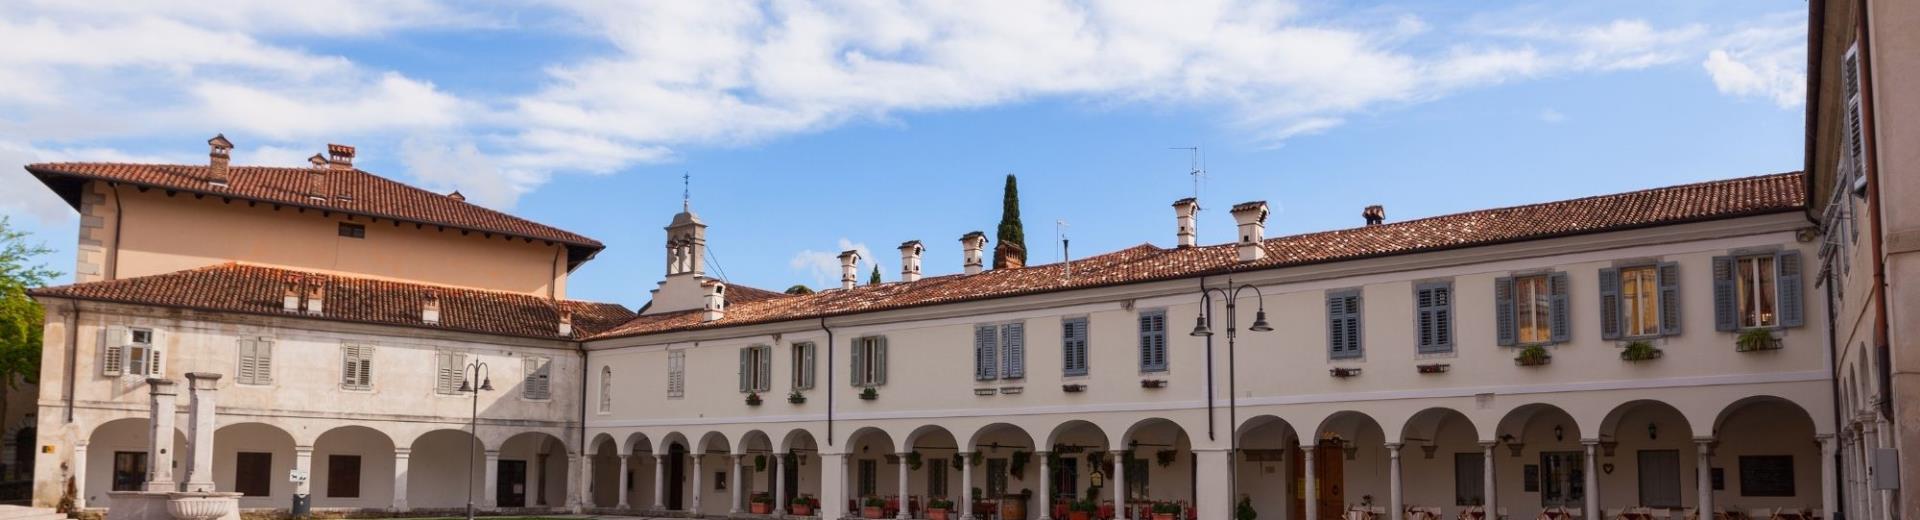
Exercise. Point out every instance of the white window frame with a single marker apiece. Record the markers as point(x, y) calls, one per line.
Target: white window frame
point(253, 368)
point(872, 361)
point(1147, 339)
point(802, 364)
point(1751, 264)
point(1527, 304)
point(1644, 305)
point(676, 374)
point(538, 374)
point(757, 365)
point(350, 353)
point(448, 376)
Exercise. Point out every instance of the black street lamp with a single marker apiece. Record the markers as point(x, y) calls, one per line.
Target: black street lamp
point(480, 372)
point(1201, 328)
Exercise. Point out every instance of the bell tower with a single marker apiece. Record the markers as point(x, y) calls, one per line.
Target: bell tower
point(684, 286)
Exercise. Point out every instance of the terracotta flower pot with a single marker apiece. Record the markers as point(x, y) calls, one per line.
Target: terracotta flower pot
point(802, 510)
point(1079, 515)
point(760, 508)
point(1163, 516)
point(937, 514)
point(872, 512)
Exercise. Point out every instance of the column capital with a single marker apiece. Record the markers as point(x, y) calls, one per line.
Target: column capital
point(1489, 444)
point(303, 450)
point(1589, 442)
point(1393, 446)
point(660, 456)
point(1823, 437)
point(493, 454)
point(403, 452)
point(1703, 440)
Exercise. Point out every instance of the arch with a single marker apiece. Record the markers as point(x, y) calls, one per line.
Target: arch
point(1141, 426)
point(1792, 409)
point(1425, 424)
point(932, 437)
point(867, 435)
point(1268, 445)
point(601, 442)
point(268, 449)
point(996, 432)
point(1610, 426)
point(1263, 423)
point(754, 442)
point(1516, 422)
point(112, 439)
point(1076, 430)
point(671, 439)
point(1348, 424)
point(637, 443)
point(437, 470)
point(713, 442)
point(365, 452)
point(798, 439)
point(1778, 433)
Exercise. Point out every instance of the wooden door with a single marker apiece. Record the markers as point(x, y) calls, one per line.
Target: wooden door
point(1328, 462)
point(511, 488)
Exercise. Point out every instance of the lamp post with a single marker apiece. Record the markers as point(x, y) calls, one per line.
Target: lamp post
point(480, 372)
point(1230, 293)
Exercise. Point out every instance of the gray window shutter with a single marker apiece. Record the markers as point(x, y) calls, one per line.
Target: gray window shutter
point(113, 350)
point(1669, 281)
point(245, 372)
point(983, 353)
point(859, 362)
point(766, 368)
point(1153, 341)
point(1791, 302)
point(1609, 303)
point(1343, 324)
point(1726, 312)
point(366, 365)
point(1015, 349)
point(157, 351)
point(880, 361)
point(807, 375)
point(350, 366)
point(1561, 326)
point(1434, 316)
point(1074, 346)
point(1503, 319)
point(263, 361)
point(746, 378)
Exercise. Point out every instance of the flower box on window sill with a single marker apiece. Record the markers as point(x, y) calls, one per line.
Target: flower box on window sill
point(1755, 340)
point(1343, 372)
point(1640, 350)
point(1533, 357)
point(1435, 368)
point(796, 397)
point(1153, 383)
point(1073, 388)
point(1010, 390)
point(753, 399)
point(985, 391)
point(869, 393)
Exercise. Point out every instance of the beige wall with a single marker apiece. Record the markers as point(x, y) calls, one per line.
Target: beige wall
point(158, 233)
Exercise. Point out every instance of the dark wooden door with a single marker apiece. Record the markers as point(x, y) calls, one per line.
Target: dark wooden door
point(676, 476)
point(1328, 463)
point(253, 474)
point(511, 490)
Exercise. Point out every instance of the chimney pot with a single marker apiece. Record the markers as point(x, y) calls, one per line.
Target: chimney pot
point(1375, 215)
point(849, 268)
point(566, 322)
point(218, 155)
point(430, 309)
point(1251, 217)
point(316, 294)
point(1007, 256)
point(290, 299)
point(910, 252)
point(714, 299)
point(973, 247)
point(339, 156)
point(1186, 213)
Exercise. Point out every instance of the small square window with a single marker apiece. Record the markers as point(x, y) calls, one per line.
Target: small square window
point(351, 230)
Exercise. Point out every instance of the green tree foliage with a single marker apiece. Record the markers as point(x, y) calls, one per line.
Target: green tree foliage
point(1011, 231)
point(799, 289)
point(21, 319)
point(874, 279)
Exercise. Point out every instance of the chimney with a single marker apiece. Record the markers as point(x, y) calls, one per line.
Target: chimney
point(339, 156)
point(972, 247)
point(219, 155)
point(457, 196)
point(1007, 256)
point(910, 260)
point(566, 322)
point(316, 295)
point(1252, 220)
point(1375, 215)
point(430, 309)
point(317, 178)
point(713, 295)
point(849, 271)
point(1185, 212)
point(290, 300)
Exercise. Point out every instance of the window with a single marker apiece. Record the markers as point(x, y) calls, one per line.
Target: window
point(1562, 482)
point(1757, 291)
point(256, 362)
point(676, 374)
point(538, 384)
point(1766, 476)
point(1640, 301)
point(132, 352)
point(803, 366)
point(351, 230)
point(1469, 479)
point(1531, 309)
point(452, 371)
point(756, 369)
point(999, 351)
point(1343, 324)
point(253, 474)
point(936, 478)
point(1153, 340)
point(870, 361)
point(356, 372)
point(996, 478)
point(869, 477)
point(343, 476)
point(129, 470)
point(1073, 346)
point(1433, 316)
point(606, 389)
point(1659, 472)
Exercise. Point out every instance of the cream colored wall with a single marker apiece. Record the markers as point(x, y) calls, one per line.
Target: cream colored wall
point(162, 234)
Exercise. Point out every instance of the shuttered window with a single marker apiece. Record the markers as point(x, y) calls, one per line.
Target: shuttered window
point(1153, 340)
point(986, 342)
point(1433, 316)
point(1850, 89)
point(1343, 324)
point(606, 389)
point(356, 371)
point(756, 369)
point(1758, 291)
point(999, 351)
point(452, 368)
point(803, 366)
point(1640, 301)
point(1531, 310)
point(131, 352)
point(255, 362)
point(676, 373)
point(539, 377)
point(869, 361)
point(1073, 346)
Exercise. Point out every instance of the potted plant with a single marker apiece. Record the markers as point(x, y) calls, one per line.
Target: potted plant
point(759, 463)
point(913, 460)
point(1244, 510)
point(873, 507)
point(1165, 457)
point(1640, 350)
point(1015, 505)
point(802, 505)
point(753, 398)
point(1756, 339)
point(1533, 356)
point(869, 393)
point(939, 509)
point(796, 397)
point(1081, 509)
point(1017, 464)
point(1166, 510)
point(760, 503)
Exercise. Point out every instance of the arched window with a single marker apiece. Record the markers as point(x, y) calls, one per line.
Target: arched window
point(606, 389)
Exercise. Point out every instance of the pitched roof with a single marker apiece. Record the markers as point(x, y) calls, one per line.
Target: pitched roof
point(1705, 201)
point(255, 289)
point(350, 191)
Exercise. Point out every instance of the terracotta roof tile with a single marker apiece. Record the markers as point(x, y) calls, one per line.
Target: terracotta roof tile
point(351, 191)
point(1144, 263)
point(255, 289)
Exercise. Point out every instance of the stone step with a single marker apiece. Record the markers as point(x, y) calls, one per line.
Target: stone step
point(29, 513)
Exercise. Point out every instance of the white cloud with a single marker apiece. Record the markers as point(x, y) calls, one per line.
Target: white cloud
point(1767, 62)
point(25, 194)
point(482, 179)
point(1552, 116)
point(824, 267)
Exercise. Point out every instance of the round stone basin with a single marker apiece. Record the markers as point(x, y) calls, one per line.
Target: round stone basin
point(199, 507)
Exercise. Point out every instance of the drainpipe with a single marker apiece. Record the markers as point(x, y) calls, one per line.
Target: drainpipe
point(119, 214)
point(73, 353)
point(829, 387)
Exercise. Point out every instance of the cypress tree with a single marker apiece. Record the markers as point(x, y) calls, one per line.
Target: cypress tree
point(1011, 231)
point(874, 279)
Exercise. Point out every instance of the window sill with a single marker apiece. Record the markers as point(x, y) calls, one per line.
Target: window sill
point(1437, 354)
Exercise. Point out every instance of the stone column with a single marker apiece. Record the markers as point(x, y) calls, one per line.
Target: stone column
point(625, 481)
point(1829, 475)
point(659, 482)
point(739, 468)
point(585, 491)
point(577, 482)
point(1213, 492)
point(1312, 500)
point(491, 490)
point(79, 466)
point(160, 407)
point(966, 485)
point(780, 499)
point(1591, 469)
point(698, 488)
point(1703, 466)
point(203, 394)
point(902, 490)
point(1046, 484)
point(400, 458)
point(303, 463)
point(1889, 508)
point(833, 485)
point(1120, 485)
point(1396, 507)
point(1489, 484)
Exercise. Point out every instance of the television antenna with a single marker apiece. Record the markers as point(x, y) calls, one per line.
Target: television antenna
point(1196, 166)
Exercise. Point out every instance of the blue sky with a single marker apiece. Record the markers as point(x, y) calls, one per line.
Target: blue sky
point(817, 127)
